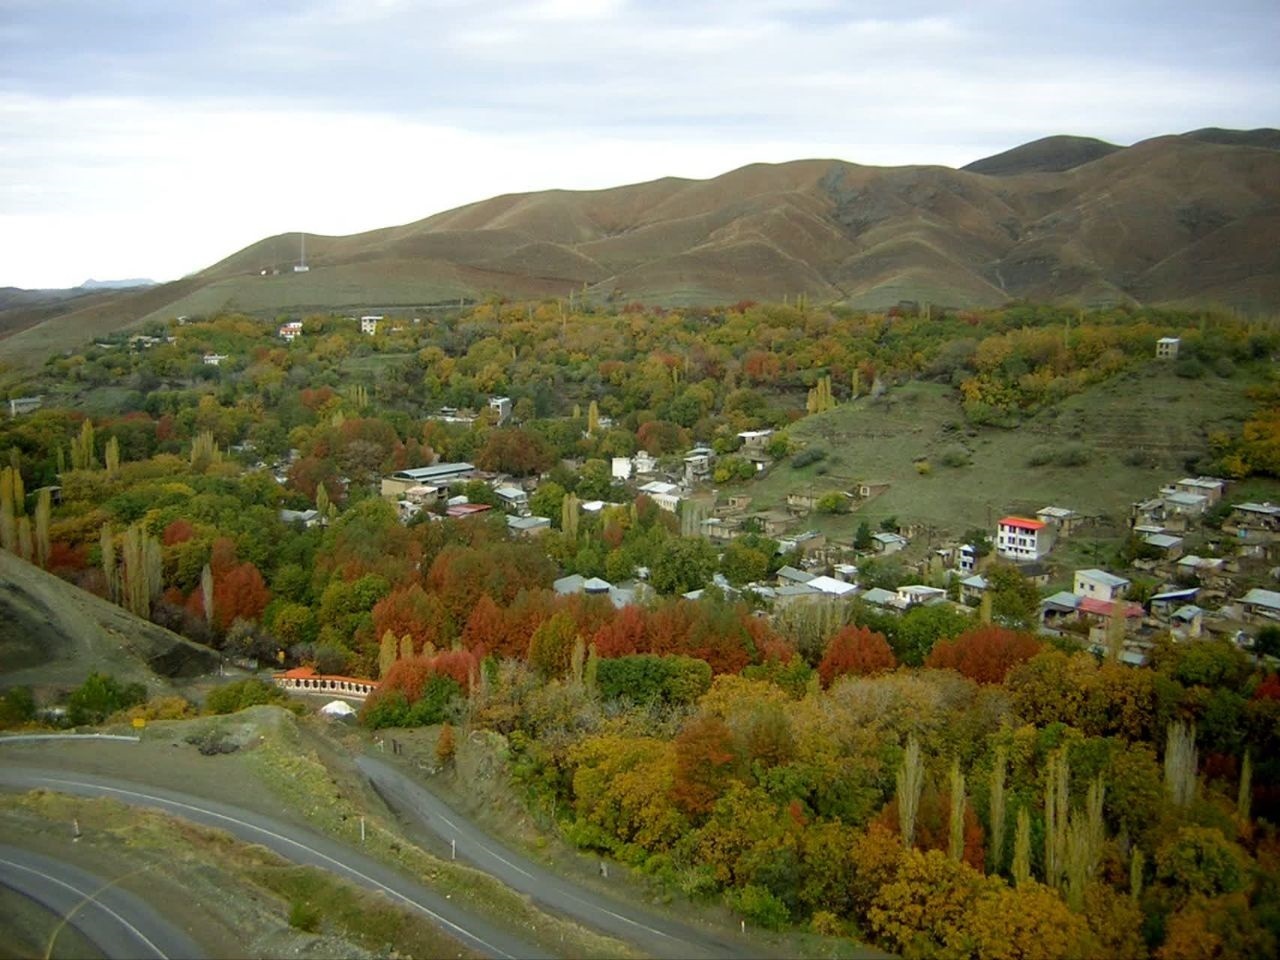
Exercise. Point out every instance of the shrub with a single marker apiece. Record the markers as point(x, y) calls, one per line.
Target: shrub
point(17, 707)
point(834, 502)
point(758, 906)
point(1040, 456)
point(646, 677)
point(955, 456)
point(100, 696)
point(161, 708)
point(1072, 455)
point(304, 916)
point(385, 709)
point(808, 456)
point(242, 694)
point(924, 468)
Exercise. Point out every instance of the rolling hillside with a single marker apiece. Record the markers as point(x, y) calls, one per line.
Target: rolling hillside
point(1190, 219)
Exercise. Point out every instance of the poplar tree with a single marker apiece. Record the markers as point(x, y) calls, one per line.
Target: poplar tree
point(1056, 817)
point(387, 653)
point(910, 782)
point(112, 457)
point(44, 509)
point(25, 545)
point(955, 834)
point(999, 771)
point(82, 448)
point(569, 516)
point(110, 571)
point(593, 417)
point(1180, 762)
point(406, 647)
point(8, 526)
point(1022, 848)
point(1244, 798)
point(206, 592)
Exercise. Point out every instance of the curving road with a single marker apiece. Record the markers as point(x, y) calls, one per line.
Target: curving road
point(114, 920)
point(655, 935)
point(296, 844)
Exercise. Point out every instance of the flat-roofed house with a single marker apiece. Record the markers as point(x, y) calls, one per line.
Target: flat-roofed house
point(439, 475)
point(1099, 585)
point(1261, 605)
point(1021, 538)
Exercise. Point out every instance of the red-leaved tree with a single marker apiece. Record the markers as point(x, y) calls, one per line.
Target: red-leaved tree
point(856, 651)
point(984, 654)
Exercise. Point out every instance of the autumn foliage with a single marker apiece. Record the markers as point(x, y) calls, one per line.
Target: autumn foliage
point(985, 654)
point(855, 651)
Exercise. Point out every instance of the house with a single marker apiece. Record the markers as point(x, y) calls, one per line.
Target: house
point(1167, 348)
point(308, 518)
point(1187, 622)
point(1192, 565)
point(846, 572)
point(972, 588)
point(967, 558)
point(1260, 605)
point(422, 494)
point(645, 462)
point(665, 495)
point(407, 510)
point(1147, 513)
point(790, 574)
point(1019, 538)
point(1170, 547)
point(919, 595)
point(528, 526)
point(697, 465)
point(461, 511)
point(790, 593)
point(369, 324)
point(754, 440)
point(1099, 614)
point(620, 468)
point(773, 522)
point(1187, 505)
point(1164, 604)
point(1064, 519)
point(1211, 488)
point(20, 405)
point(832, 587)
point(213, 359)
point(576, 583)
point(1254, 527)
point(804, 543)
point(1099, 585)
point(720, 530)
point(502, 407)
point(290, 331)
point(512, 499)
point(886, 543)
point(880, 597)
point(1059, 608)
point(438, 475)
point(872, 488)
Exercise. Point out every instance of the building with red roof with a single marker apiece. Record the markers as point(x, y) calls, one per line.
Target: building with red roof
point(1022, 539)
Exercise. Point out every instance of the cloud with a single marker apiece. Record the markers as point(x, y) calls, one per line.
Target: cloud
point(157, 137)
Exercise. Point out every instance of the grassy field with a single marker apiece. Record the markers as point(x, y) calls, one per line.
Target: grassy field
point(1129, 435)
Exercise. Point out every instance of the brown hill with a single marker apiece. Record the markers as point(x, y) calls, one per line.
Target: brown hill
point(1179, 219)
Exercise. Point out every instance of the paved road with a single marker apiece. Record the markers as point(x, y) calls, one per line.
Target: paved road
point(655, 935)
point(296, 844)
point(114, 920)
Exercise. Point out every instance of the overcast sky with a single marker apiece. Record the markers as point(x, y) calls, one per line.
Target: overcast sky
point(154, 137)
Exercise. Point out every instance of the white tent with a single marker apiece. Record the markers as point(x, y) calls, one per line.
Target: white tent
point(339, 709)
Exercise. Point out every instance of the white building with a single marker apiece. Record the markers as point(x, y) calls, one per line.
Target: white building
point(214, 359)
point(620, 468)
point(501, 406)
point(369, 324)
point(20, 405)
point(1167, 348)
point(1022, 539)
point(290, 331)
point(1099, 585)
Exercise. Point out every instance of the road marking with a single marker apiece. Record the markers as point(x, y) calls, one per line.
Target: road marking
point(443, 921)
point(90, 899)
point(532, 878)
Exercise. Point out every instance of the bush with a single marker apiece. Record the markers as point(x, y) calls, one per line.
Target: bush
point(1189, 367)
point(304, 916)
point(385, 710)
point(161, 708)
point(1072, 455)
point(924, 468)
point(758, 906)
point(242, 694)
point(955, 456)
point(834, 502)
point(99, 697)
point(1040, 456)
point(808, 456)
point(17, 707)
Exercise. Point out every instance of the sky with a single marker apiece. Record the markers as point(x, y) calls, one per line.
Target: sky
point(152, 138)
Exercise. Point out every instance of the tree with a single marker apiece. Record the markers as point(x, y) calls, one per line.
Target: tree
point(855, 651)
point(1015, 601)
point(910, 782)
point(446, 747)
point(551, 645)
point(996, 808)
point(955, 830)
point(705, 759)
point(984, 654)
point(682, 564)
point(1180, 763)
point(741, 563)
point(862, 538)
point(42, 515)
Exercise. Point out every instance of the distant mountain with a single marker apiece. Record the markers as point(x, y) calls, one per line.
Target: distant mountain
point(1188, 220)
point(92, 284)
point(1049, 155)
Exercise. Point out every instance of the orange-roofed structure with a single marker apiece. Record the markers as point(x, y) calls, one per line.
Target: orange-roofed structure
point(1023, 540)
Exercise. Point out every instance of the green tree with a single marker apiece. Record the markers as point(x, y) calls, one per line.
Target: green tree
point(682, 564)
point(1015, 601)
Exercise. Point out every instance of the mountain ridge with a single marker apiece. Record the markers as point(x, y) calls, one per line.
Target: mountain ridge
point(1184, 220)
